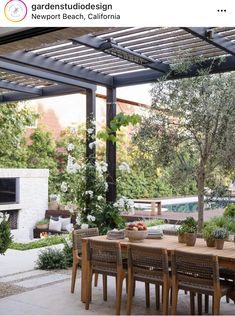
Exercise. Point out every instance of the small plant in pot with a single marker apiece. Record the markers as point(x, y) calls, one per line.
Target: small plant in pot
point(207, 233)
point(42, 224)
point(181, 233)
point(190, 231)
point(220, 234)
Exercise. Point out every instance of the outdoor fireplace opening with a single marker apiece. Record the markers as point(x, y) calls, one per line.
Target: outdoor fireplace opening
point(9, 190)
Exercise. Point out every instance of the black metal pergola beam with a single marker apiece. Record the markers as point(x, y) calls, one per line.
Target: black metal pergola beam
point(17, 67)
point(51, 91)
point(110, 48)
point(213, 38)
point(5, 84)
point(140, 77)
point(57, 67)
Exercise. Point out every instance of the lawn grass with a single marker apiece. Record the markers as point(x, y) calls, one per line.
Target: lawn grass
point(48, 241)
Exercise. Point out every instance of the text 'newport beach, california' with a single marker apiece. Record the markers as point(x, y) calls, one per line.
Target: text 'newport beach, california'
point(75, 11)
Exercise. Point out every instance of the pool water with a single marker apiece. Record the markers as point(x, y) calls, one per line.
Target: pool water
point(193, 206)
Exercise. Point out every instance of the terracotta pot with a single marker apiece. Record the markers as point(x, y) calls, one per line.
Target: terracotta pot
point(136, 235)
point(210, 243)
point(219, 244)
point(190, 239)
point(181, 238)
point(53, 205)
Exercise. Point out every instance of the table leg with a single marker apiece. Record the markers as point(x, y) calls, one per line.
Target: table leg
point(84, 271)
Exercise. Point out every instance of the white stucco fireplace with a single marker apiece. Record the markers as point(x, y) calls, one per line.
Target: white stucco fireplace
point(27, 204)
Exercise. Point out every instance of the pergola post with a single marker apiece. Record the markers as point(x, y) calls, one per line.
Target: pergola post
point(90, 138)
point(110, 146)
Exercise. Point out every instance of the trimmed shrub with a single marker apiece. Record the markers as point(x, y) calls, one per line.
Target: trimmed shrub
point(5, 236)
point(51, 258)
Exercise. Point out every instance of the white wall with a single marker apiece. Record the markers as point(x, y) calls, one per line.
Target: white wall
point(33, 199)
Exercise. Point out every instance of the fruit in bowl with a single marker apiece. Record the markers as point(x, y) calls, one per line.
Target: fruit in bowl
point(136, 232)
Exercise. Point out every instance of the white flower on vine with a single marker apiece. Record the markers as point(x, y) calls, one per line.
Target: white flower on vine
point(106, 186)
point(99, 197)
point(101, 167)
point(124, 167)
point(124, 204)
point(64, 187)
point(90, 131)
point(89, 192)
point(92, 144)
point(91, 218)
point(70, 147)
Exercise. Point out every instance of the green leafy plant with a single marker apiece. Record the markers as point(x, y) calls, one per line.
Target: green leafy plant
point(154, 222)
point(230, 210)
point(43, 221)
point(181, 230)
point(5, 234)
point(190, 225)
point(220, 233)
point(51, 258)
point(68, 250)
point(44, 242)
point(208, 230)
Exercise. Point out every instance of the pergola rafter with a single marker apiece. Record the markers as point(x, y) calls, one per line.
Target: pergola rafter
point(76, 60)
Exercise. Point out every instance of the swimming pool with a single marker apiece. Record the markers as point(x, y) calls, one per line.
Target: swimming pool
point(187, 207)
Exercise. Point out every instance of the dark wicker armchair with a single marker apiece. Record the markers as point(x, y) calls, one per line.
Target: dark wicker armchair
point(197, 273)
point(149, 265)
point(105, 258)
point(78, 234)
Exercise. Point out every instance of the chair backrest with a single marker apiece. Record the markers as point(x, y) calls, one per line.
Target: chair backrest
point(104, 256)
point(148, 262)
point(78, 234)
point(196, 269)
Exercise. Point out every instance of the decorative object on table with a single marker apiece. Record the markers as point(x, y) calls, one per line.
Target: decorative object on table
point(54, 202)
point(207, 233)
point(116, 234)
point(136, 232)
point(181, 234)
point(42, 224)
point(190, 226)
point(220, 234)
point(155, 233)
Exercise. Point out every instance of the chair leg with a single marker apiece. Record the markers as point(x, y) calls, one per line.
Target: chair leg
point(165, 294)
point(157, 295)
point(199, 304)
point(206, 303)
point(96, 279)
point(216, 305)
point(88, 288)
point(227, 299)
point(130, 291)
point(74, 274)
point(174, 300)
point(104, 287)
point(147, 298)
point(192, 303)
point(119, 293)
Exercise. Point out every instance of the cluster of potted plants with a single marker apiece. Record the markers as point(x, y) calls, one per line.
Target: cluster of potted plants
point(214, 235)
point(187, 232)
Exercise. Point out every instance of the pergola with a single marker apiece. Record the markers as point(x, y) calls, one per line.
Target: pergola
point(44, 62)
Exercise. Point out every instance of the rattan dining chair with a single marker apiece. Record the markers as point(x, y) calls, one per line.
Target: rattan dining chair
point(105, 258)
point(197, 273)
point(149, 265)
point(77, 236)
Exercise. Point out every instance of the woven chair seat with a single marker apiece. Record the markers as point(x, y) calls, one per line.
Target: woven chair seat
point(205, 289)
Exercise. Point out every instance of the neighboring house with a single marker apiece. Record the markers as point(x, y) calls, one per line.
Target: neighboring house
point(60, 112)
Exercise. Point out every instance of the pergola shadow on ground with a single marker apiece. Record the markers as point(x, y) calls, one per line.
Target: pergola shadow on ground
point(44, 62)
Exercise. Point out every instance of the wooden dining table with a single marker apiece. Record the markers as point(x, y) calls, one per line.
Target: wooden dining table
point(226, 256)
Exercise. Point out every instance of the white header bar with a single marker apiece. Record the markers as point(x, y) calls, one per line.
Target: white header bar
point(116, 13)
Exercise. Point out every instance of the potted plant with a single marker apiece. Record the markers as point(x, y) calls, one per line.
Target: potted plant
point(42, 224)
point(190, 231)
point(207, 233)
point(181, 233)
point(136, 232)
point(220, 234)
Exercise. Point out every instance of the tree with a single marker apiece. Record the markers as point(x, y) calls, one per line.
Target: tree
point(192, 125)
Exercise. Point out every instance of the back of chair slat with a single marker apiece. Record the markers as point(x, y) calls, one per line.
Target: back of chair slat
point(196, 269)
point(78, 234)
point(148, 262)
point(104, 256)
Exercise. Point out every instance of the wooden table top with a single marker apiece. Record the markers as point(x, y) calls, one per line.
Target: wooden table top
point(171, 243)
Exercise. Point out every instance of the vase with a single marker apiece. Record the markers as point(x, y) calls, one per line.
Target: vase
point(219, 244)
point(136, 235)
point(210, 242)
point(190, 239)
point(42, 226)
point(181, 238)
